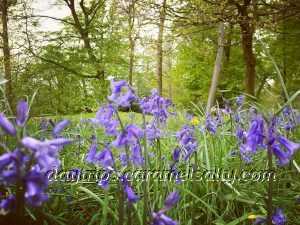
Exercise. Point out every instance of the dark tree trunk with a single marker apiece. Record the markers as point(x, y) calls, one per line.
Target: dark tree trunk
point(84, 34)
point(247, 44)
point(161, 25)
point(6, 50)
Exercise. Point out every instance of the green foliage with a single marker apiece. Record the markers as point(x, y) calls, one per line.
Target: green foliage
point(62, 64)
point(193, 69)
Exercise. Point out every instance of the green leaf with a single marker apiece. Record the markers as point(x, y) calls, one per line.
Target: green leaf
point(278, 73)
point(208, 206)
point(233, 188)
point(32, 100)
point(288, 102)
point(296, 165)
point(94, 218)
point(95, 197)
point(105, 208)
point(240, 219)
point(3, 80)
point(30, 214)
point(54, 218)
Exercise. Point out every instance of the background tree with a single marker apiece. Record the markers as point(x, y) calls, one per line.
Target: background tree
point(218, 62)
point(130, 9)
point(102, 39)
point(161, 27)
point(5, 6)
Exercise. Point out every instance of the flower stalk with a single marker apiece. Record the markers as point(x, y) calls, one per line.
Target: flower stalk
point(270, 188)
point(145, 184)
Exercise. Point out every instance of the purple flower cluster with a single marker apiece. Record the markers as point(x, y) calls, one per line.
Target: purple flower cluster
point(105, 118)
point(240, 116)
point(130, 137)
point(126, 136)
point(44, 126)
point(104, 180)
point(227, 109)
point(289, 124)
point(187, 139)
point(118, 136)
point(152, 132)
point(240, 100)
point(122, 93)
point(176, 155)
point(7, 204)
point(7, 126)
point(276, 144)
point(253, 139)
point(160, 218)
point(262, 136)
point(25, 170)
point(157, 106)
point(60, 127)
point(46, 152)
point(131, 197)
point(277, 219)
point(22, 113)
point(105, 157)
point(211, 125)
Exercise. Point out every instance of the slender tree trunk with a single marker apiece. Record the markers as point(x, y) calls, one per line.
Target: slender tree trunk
point(227, 47)
point(6, 50)
point(217, 67)
point(247, 44)
point(170, 85)
point(131, 60)
point(170, 75)
point(131, 41)
point(161, 26)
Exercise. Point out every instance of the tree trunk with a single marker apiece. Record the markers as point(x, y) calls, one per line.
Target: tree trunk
point(170, 75)
point(161, 25)
point(84, 34)
point(217, 67)
point(6, 50)
point(131, 60)
point(247, 41)
point(131, 40)
point(247, 44)
point(227, 47)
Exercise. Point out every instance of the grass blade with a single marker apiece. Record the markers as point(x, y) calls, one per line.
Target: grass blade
point(95, 197)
